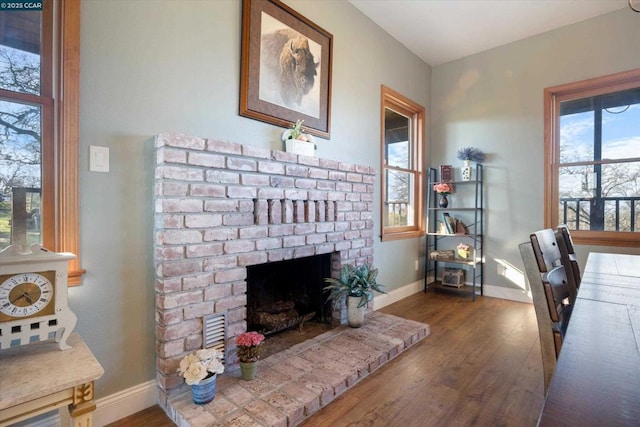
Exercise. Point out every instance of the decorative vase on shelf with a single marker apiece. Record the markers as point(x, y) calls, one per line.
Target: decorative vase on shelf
point(204, 391)
point(249, 370)
point(466, 171)
point(443, 202)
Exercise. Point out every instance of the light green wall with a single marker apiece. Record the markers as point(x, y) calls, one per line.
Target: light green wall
point(494, 101)
point(173, 65)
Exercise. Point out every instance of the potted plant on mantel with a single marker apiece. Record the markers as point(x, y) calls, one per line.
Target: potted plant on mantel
point(357, 284)
point(297, 141)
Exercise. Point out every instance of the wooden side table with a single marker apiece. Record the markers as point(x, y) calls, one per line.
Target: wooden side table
point(39, 377)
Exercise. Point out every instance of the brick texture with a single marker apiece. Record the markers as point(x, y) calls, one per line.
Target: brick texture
point(220, 207)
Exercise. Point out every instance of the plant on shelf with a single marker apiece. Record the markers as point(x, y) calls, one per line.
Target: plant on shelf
point(249, 346)
point(296, 132)
point(297, 141)
point(201, 365)
point(471, 154)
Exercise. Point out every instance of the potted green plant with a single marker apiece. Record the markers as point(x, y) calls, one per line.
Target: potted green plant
point(357, 284)
point(297, 140)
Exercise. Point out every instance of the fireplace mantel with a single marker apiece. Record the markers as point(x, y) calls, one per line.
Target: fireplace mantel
point(220, 207)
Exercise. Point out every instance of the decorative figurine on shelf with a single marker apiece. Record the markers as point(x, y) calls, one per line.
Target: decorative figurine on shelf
point(464, 251)
point(468, 155)
point(443, 189)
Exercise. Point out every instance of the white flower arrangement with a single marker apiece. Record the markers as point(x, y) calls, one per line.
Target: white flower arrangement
point(202, 364)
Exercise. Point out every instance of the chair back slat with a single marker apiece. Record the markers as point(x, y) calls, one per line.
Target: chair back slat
point(546, 249)
point(549, 342)
point(568, 254)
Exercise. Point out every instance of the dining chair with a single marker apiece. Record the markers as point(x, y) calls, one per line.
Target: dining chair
point(568, 254)
point(549, 257)
point(552, 293)
point(546, 327)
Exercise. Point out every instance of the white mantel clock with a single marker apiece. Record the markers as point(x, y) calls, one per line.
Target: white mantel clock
point(33, 297)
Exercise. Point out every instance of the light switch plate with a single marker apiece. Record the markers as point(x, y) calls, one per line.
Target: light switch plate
point(98, 159)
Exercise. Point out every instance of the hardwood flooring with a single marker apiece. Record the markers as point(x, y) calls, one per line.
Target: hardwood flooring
point(481, 366)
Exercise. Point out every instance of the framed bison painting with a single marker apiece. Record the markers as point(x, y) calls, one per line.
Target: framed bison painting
point(286, 67)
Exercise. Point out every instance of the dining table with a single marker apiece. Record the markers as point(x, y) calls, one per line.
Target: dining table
point(597, 377)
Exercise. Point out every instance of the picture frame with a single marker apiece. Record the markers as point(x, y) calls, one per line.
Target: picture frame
point(286, 66)
point(446, 173)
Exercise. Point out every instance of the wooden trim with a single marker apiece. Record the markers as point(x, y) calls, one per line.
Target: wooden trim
point(416, 113)
point(68, 119)
point(272, 111)
point(552, 98)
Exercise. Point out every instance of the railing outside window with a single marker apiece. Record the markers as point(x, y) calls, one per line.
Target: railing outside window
point(614, 213)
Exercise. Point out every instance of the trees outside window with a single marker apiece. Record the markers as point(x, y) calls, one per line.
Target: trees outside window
point(593, 159)
point(39, 127)
point(402, 140)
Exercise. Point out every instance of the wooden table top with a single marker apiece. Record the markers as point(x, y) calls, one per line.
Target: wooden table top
point(39, 369)
point(597, 378)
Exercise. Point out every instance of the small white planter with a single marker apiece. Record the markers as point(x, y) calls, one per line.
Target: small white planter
point(355, 315)
point(300, 147)
point(466, 171)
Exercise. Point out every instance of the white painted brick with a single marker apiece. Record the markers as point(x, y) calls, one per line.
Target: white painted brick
point(206, 159)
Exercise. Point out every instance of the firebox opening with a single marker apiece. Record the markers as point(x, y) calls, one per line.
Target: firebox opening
point(285, 294)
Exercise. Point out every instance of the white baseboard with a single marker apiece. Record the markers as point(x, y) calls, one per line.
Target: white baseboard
point(507, 293)
point(124, 403)
point(493, 291)
point(382, 300)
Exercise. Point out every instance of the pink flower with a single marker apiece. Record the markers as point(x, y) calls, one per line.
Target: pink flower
point(249, 346)
point(249, 339)
point(443, 188)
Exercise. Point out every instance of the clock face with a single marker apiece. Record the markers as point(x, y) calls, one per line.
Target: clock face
point(26, 294)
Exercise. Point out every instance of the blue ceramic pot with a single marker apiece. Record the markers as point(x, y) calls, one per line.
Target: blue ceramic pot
point(205, 391)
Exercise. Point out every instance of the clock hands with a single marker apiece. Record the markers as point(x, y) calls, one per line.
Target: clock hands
point(25, 296)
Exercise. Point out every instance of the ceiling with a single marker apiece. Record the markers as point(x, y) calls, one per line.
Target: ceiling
point(439, 31)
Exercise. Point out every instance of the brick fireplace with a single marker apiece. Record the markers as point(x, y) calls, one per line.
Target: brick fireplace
point(221, 207)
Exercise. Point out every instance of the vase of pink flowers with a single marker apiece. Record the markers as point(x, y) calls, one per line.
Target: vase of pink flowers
point(249, 345)
point(443, 189)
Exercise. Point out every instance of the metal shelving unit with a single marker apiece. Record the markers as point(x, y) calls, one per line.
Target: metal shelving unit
point(472, 216)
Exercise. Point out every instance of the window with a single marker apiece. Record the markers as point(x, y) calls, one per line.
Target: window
point(593, 159)
point(402, 158)
point(39, 63)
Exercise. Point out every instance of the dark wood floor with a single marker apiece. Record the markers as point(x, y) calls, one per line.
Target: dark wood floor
point(480, 366)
